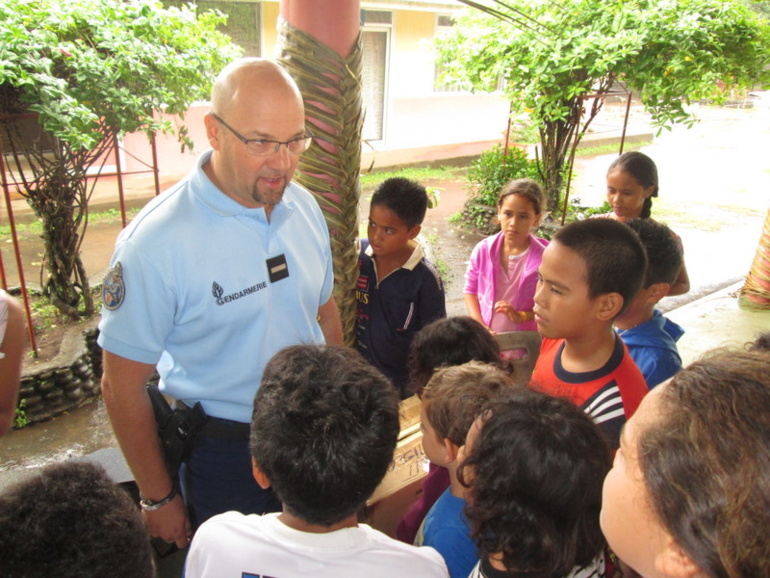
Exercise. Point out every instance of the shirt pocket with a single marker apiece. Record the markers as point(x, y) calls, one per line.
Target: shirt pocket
point(400, 314)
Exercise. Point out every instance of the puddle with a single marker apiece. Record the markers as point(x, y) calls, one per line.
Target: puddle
point(76, 433)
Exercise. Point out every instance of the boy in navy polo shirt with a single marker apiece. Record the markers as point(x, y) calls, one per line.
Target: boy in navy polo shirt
point(398, 290)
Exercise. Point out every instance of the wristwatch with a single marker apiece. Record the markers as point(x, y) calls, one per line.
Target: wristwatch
point(151, 505)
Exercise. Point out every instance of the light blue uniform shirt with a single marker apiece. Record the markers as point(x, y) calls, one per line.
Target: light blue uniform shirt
point(189, 290)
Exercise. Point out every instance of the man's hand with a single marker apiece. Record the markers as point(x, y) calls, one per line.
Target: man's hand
point(170, 523)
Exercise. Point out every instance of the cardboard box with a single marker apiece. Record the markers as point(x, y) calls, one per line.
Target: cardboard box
point(410, 416)
point(403, 481)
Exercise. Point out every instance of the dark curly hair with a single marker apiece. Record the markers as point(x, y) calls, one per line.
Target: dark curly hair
point(449, 341)
point(71, 520)
point(408, 199)
point(324, 429)
point(535, 475)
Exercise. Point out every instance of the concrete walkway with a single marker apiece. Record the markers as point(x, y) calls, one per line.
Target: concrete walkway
point(716, 320)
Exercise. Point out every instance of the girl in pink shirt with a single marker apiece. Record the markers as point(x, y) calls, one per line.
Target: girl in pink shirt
point(502, 273)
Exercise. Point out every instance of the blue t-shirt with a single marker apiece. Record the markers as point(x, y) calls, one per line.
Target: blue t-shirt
point(446, 529)
point(190, 289)
point(652, 345)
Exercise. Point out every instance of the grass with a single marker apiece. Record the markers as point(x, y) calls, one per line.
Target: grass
point(433, 240)
point(609, 148)
point(45, 314)
point(371, 180)
point(36, 227)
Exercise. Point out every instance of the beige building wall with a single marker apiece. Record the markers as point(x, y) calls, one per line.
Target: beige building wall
point(419, 124)
point(417, 116)
point(270, 13)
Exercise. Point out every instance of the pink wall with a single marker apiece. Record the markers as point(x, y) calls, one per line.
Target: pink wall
point(171, 160)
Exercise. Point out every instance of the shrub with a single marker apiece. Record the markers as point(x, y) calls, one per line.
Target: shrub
point(487, 175)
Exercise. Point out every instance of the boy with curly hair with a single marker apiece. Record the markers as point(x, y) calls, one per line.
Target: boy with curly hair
point(451, 402)
point(534, 466)
point(71, 520)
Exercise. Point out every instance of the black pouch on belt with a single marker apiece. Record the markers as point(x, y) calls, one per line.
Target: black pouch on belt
point(178, 429)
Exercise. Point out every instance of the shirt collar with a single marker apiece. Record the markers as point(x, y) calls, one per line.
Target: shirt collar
point(411, 262)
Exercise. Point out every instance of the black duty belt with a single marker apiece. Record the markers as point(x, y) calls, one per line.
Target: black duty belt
point(225, 429)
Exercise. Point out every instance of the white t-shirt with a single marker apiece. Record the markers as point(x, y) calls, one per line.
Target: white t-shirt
point(237, 545)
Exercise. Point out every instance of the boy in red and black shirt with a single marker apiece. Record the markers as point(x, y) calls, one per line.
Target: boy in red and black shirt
point(589, 274)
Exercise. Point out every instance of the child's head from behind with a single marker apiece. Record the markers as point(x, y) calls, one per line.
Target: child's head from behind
point(534, 465)
point(323, 431)
point(632, 181)
point(451, 402)
point(449, 341)
point(519, 207)
point(72, 520)
point(590, 271)
point(761, 343)
point(689, 492)
point(664, 260)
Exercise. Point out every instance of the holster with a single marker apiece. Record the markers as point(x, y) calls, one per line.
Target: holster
point(178, 428)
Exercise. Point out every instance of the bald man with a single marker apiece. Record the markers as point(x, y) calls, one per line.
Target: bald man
point(209, 281)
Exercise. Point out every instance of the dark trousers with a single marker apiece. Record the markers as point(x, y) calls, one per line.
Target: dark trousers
point(217, 478)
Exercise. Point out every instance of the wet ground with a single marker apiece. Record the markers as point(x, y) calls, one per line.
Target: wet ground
point(715, 192)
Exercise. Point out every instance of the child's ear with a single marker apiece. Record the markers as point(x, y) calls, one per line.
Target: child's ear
point(673, 561)
point(657, 291)
point(414, 231)
point(259, 475)
point(451, 450)
point(536, 222)
point(608, 305)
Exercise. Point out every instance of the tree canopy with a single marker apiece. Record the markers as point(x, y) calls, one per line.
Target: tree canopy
point(87, 65)
point(93, 70)
point(553, 55)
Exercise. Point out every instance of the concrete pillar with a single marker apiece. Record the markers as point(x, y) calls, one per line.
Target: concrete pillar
point(334, 23)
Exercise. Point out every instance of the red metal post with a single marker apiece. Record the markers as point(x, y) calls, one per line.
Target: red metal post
point(155, 170)
point(121, 197)
point(17, 251)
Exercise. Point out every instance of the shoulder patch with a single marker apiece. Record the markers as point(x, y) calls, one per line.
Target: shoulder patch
point(113, 288)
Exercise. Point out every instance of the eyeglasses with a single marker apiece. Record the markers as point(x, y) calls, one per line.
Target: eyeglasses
point(261, 147)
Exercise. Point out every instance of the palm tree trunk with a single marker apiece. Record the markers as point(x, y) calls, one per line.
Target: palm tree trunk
point(331, 87)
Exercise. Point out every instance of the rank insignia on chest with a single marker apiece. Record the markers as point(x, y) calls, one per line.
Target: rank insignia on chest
point(277, 268)
point(113, 288)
